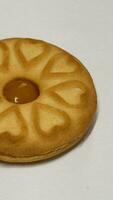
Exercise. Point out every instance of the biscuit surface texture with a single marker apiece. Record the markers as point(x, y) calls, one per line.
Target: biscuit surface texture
point(59, 116)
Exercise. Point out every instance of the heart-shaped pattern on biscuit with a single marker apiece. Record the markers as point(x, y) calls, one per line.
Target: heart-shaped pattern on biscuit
point(71, 93)
point(30, 52)
point(49, 121)
point(12, 126)
point(61, 65)
point(4, 57)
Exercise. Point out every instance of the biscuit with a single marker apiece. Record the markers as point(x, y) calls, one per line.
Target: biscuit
point(47, 100)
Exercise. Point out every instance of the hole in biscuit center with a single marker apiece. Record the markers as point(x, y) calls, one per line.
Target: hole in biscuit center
point(21, 91)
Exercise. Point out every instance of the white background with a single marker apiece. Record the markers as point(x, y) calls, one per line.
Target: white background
point(84, 28)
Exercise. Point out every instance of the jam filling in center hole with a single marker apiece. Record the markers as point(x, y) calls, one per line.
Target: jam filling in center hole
point(21, 91)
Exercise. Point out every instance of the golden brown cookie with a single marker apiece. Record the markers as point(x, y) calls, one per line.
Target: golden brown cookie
point(47, 100)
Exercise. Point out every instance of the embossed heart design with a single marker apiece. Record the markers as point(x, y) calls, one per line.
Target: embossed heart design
point(48, 120)
point(72, 93)
point(4, 57)
point(16, 128)
point(61, 65)
point(33, 55)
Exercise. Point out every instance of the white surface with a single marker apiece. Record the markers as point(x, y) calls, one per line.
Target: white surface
point(85, 28)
